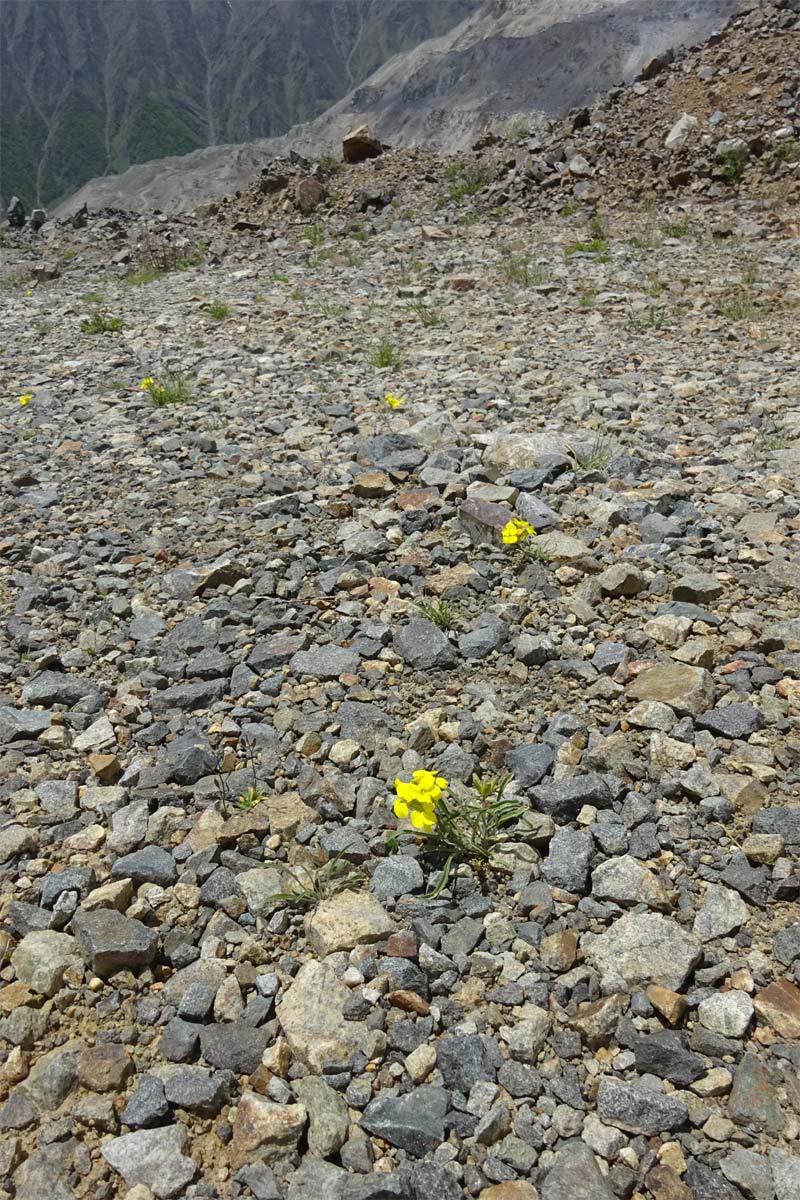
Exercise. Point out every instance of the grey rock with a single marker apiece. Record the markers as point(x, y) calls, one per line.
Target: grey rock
point(623, 579)
point(154, 1158)
point(327, 1115)
point(413, 1122)
point(637, 1108)
point(233, 1046)
point(325, 662)
point(575, 1175)
point(151, 864)
point(750, 1172)
point(727, 1013)
point(722, 912)
point(530, 763)
point(398, 875)
point(625, 881)
point(785, 1173)
point(753, 1102)
point(640, 949)
point(111, 942)
point(563, 800)
point(41, 959)
point(567, 864)
point(424, 647)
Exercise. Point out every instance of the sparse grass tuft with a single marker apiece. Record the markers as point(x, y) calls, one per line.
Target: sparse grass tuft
point(739, 306)
point(466, 178)
point(440, 613)
point(309, 886)
point(516, 269)
point(596, 245)
point(315, 234)
point(733, 163)
point(385, 354)
point(101, 322)
point(426, 315)
point(677, 229)
point(596, 457)
point(175, 389)
point(217, 310)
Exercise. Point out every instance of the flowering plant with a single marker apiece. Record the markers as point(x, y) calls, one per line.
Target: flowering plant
point(26, 399)
point(516, 531)
point(394, 401)
point(456, 828)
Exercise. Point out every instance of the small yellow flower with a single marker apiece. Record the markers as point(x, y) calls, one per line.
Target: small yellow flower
point(147, 384)
point(394, 401)
point(516, 530)
point(416, 801)
point(26, 399)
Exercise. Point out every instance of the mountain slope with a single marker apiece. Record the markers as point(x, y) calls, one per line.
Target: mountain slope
point(88, 87)
point(508, 57)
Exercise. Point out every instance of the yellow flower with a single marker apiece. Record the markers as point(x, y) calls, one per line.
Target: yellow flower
point(516, 530)
point(147, 383)
point(416, 801)
point(394, 401)
point(26, 399)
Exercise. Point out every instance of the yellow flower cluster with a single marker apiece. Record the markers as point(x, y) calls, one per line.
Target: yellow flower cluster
point(416, 800)
point(517, 530)
point(394, 401)
point(147, 384)
point(26, 399)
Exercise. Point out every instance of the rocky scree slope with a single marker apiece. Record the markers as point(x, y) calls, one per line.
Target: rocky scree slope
point(232, 583)
point(88, 87)
point(507, 60)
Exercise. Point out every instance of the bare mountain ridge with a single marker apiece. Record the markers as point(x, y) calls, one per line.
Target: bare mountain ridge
point(509, 58)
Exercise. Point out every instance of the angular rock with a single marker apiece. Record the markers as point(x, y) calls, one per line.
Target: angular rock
point(640, 949)
point(413, 1122)
point(637, 1108)
point(111, 942)
point(312, 1016)
point(152, 1157)
point(687, 690)
point(42, 957)
point(424, 647)
point(346, 920)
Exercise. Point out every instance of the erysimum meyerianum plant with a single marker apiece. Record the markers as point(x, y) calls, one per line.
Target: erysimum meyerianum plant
point(457, 826)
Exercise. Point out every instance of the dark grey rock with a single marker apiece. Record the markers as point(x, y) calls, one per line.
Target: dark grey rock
point(19, 723)
point(413, 1122)
point(567, 863)
point(190, 757)
point(530, 763)
point(54, 687)
point(464, 1060)
point(423, 646)
point(197, 1090)
point(151, 864)
point(563, 800)
point(233, 1046)
point(666, 1054)
point(148, 1104)
point(709, 1184)
point(111, 942)
point(637, 1108)
point(734, 721)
